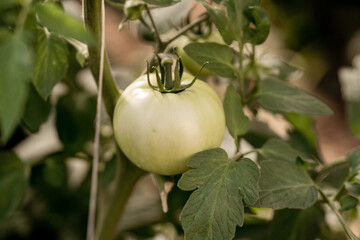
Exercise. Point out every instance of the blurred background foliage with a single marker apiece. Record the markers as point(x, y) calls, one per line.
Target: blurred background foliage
point(322, 37)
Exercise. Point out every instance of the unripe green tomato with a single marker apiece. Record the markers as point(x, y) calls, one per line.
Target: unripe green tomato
point(159, 132)
point(192, 66)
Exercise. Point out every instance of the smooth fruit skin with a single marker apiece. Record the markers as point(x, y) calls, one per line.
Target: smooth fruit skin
point(159, 132)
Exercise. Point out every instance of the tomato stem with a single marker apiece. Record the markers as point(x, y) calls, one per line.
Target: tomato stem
point(167, 63)
point(160, 45)
point(202, 18)
point(165, 82)
point(92, 18)
point(342, 221)
point(240, 73)
point(22, 16)
point(127, 176)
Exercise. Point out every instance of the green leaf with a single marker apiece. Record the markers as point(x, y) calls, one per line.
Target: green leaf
point(15, 62)
point(301, 224)
point(304, 124)
point(348, 202)
point(74, 120)
point(50, 62)
point(259, 133)
point(236, 121)
point(9, 3)
point(36, 111)
point(278, 96)
point(219, 17)
point(353, 116)
point(54, 18)
point(162, 3)
point(353, 188)
point(12, 183)
point(257, 29)
point(236, 18)
point(286, 71)
point(109, 173)
point(276, 149)
point(222, 186)
point(55, 173)
point(284, 185)
point(353, 158)
point(219, 57)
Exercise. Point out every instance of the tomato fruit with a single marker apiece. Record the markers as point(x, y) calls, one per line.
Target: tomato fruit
point(189, 64)
point(159, 132)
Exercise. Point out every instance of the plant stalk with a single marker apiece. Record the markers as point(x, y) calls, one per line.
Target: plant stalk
point(22, 16)
point(241, 74)
point(201, 19)
point(127, 173)
point(159, 43)
point(92, 18)
point(342, 221)
point(127, 176)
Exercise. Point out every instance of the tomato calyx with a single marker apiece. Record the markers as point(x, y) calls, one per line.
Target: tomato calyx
point(165, 81)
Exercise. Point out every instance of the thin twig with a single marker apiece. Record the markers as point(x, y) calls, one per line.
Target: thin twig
point(342, 221)
point(22, 16)
point(240, 155)
point(94, 173)
point(241, 74)
point(155, 29)
point(201, 19)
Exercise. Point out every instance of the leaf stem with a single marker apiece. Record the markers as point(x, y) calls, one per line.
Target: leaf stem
point(342, 221)
point(126, 178)
point(253, 64)
point(240, 155)
point(92, 18)
point(160, 44)
point(328, 168)
point(240, 73)
point(22, 16)
point(95, 162)
point(186, 28)
point(127, 173)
